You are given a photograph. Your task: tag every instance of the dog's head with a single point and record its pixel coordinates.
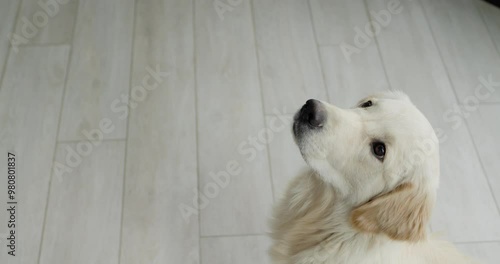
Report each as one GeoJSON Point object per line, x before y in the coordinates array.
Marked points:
{"type": "Point", "coordinates": [381, 156]}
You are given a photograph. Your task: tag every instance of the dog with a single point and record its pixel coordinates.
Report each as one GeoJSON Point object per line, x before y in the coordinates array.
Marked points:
{"type": "Point", "coordinates": [369, 191]}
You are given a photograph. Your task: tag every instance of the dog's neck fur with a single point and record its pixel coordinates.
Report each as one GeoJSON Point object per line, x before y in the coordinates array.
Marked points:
{"type": "Point", "coordinates": [310, 216]}
{"type": "Point", "coordinates": [312, 225]}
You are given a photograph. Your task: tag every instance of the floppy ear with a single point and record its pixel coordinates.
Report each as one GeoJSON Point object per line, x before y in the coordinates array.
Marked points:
{"type": "Point", "coordinates": [401, 214]}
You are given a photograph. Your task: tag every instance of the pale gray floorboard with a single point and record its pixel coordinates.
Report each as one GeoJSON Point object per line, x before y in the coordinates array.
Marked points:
{"type": "Point", "coordinates": [286, 161]}
{"type": "Point", "coordinates": [485, 127]}
{"type": "Point", "coordinates": [412, 61]}
{"type": "Point", "coordinates": [30, 100]}
{"type": "Point", "coordinates": [335, 20]}
{"type": "Point", "coordinates": [231, 250]}
{"type": "Point", "coordinates": [491, 16]}
{"type": "Point", "coordinates": [46, 21]}
{"type": "Point", "coordinates": [351, 72]}
{"type": "Point", "coordinates": [230, 122]}
{"type": "Point", "coordinates": [486, 252]}
{"type": "Point", "coordinates": [350, 81]}
{"type": "Point", "coordinates": [413, 65]}
{"type": "Point", "coordinates": [464, 43]}
{"type": "Point", "coordinates": [288, 57]}
{"type": "Point", "coordinates": [465, 209]}
{"type": "Point", "coordinates": [161, 153]}
{"type": "Point", "coordinates": [98, 80]}
{"type": "Point", "coordinates": [8, 11]}
{"type": "Point", "coordinates": [84, 210]}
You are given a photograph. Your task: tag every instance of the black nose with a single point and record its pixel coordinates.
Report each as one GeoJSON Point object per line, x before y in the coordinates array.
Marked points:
{"type": "Point", "coordinates": [313, 113]}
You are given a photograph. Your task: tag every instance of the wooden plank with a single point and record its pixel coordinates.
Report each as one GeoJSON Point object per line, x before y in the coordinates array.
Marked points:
{"type": "Point", "coordinates": [485, 128]}
{"type": "Point", "coordinates": [84, 212]}
{"type": "Point", "coordinates": [8, 11]}
{"type": "Point", "coordinates": [47, 21]}
{"type": "Point", "coordinates": [161, 172]}
{"type": "Point", "coordinates": [335, 20]}
{"type": "Point", "coordinates": [486, 252]}
{"type": "Point", "coordinates": [98, 80]}
{"type": "Point", "coordinates": [241, 250]}
{"type": "Point", "coordinates": [491, 16]}
{"type": "Point", "coordinates": [288, 57]}
{"type": "Point", "coordinates": [30, 101]}
{"type": "Point", "coordinates": [464, 43]}
{"type": "Point", "coordinates": [350, 81]}
{"type": "Point", "coordinates": [229, 112]}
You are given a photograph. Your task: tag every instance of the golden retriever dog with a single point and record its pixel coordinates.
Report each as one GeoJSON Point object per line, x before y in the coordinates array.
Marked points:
{"type": "Point", "coordinates": [369, 191]}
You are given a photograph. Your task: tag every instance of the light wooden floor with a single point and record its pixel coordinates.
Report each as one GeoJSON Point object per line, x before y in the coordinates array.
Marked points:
{"type": "Point", "coordinates": [204, 88]}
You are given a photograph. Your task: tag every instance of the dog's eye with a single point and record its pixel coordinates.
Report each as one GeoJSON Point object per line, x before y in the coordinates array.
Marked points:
{"type": "Point", "coordinates": [378, 149]}
{"type": "Point", "coordinates": [366, 104]}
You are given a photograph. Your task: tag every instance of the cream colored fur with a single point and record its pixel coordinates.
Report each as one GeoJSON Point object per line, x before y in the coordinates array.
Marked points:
{"type": "Point", "coordinates": [352, 208]}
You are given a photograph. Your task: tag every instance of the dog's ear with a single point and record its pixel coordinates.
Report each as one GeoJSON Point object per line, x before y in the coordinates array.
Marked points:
{"type": "Point", "coordinates": [401, 214]}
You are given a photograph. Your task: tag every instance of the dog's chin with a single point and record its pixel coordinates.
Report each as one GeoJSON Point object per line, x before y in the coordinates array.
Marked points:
{"type": "Point", "coordinates": [298, 131]}
{"type": "Point", "coordinates": [301, 130]}
{"type": "Point", "coordinates": [296, 127]}
{"type": "Point", "coordinates": [301, 136]}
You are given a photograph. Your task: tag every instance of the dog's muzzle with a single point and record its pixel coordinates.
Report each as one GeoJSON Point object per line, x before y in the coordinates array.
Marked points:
{"type": "Point", "coordinates": [311, 116]}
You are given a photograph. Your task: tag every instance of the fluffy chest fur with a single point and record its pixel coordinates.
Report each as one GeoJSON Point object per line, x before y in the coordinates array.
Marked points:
{"type": "Point", "coordinates": [311, 227]}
